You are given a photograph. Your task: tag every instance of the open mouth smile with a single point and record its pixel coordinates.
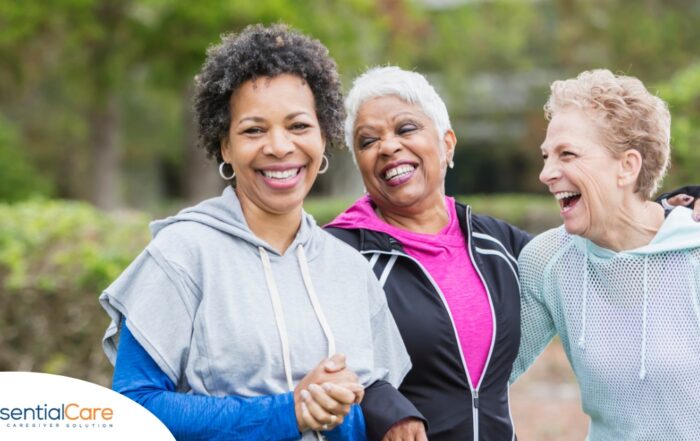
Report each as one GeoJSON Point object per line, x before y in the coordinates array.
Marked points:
{"type": "Point", "coordinates": [398, 174]}
{"type": "Point", "coordinates": [567, 200]}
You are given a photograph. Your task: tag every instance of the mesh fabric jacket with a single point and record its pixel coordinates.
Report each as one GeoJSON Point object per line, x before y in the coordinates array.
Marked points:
{"type": "Point", "coordinates": [629, 323]}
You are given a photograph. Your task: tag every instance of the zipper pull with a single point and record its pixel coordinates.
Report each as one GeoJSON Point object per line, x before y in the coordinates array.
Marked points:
{"type": "Point", "coordinates": [475, 399]}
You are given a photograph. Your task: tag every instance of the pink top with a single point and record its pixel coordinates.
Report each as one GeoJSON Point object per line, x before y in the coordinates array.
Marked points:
{"type": "Point", "coordinates": [460, 284]}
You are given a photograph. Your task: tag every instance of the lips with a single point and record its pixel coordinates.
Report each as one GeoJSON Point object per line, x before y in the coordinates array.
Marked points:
{"type": "Point", "coordinates": [282, 176]}
{"type": "Point", "coordinates": [567, 200]}
{"type": "Point", "coordinates": [398, 172]}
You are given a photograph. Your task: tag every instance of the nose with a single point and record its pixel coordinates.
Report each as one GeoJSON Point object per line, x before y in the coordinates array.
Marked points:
{"type": "Point", "coordinates": [550, 172]}
{"type": "Point", "coordinates": [279, 143]}
{"type": "Point", "coordinates": [390, 145]}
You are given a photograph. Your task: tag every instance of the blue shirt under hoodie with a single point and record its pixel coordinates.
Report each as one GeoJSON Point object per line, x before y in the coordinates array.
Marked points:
{"type": "Point", "coordinates": [223, 314]}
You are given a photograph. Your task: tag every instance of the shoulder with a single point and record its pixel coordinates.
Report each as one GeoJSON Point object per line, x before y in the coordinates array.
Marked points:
{"type": "Point", "coordinates": [545, 248]}
{"type": "Point", "coordinates": [343, 246]}
{"type": "Point", "coordinates": [495, 230]}
{"type": "Point", "coordinates": [351, 237]}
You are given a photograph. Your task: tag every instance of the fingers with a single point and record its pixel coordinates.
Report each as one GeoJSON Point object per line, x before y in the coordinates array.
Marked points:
{"type": "Point", "coordinates": [332, 398]}
{"type": "Point", "coordinates": [680, 200]}
{"type": "Point", "coordinates": [316, 416]}
{"type": "Point", "coordinates": [696, 211]}
{"type": "Point", "coordinates": [355, 388]}
{"type": "Point", "coordinates": [334, 364]}
{"type": "Point", "coordinates": [410, 429]}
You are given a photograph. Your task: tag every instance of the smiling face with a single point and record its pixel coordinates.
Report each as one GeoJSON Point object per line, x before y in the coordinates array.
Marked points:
{"type": "Point", "coordinates": [274, 143]}
{"type": "Point", "coordinates": [400, 154]}
{"type": "Point", "coordinates": [582, 173]}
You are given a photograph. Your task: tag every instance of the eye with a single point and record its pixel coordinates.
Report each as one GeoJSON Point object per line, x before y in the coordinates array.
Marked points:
{"type": "Point", "coordinates": [254, 130]}
{"type": "Point", "coordinates": [567, 153]}
{"type": "Point", "coordinates": [364, 142]}
{"type": "Point", "coordinates": [406, 128]}
{"type": "Point", "coordinates": [544, 156]}
{"type": "Point", "coordinates": [300, 126]}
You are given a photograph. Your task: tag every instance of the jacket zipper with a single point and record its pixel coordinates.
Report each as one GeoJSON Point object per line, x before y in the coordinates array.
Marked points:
{"type": "Point", "coordinates": [474, 390]}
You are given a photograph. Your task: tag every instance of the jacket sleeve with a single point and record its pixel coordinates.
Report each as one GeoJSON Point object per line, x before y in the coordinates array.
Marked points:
{"type": "Point", "coordinates": [383, 405]}
{"type": "Point", "coordinates": [195, 417]}
{"type": "Point", "coordinates": [536, 324]}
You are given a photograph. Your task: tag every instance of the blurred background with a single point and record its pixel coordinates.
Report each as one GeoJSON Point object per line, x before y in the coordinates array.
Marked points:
{"type": "Point", "coordinates": [97, 138]}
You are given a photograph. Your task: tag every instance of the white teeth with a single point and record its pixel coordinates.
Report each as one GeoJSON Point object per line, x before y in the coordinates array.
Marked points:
{"type": "Point", "coordinates": [281, 174]}
{"type": "Point", "coordinates": [400, 170]}
{"type": "Point", "coordinates": [565, 194]}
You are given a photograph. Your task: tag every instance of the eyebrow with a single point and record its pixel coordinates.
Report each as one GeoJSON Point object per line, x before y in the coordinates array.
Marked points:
{"type": "Point", "coordinates": [393, 118]}
{"type": "Point", "coordinates": [259, 119]}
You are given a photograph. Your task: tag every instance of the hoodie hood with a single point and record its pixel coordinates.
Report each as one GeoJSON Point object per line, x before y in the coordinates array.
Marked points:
{"type": "Point", "coordinates": [678, 232]}
{"type": "Point", "coordinates": [224, 214]}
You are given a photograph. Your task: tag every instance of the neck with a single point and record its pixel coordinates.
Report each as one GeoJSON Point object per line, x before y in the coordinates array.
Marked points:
{"type": "Point", "coordinates": [633, 225]}
{"type": "Point", "coordinates": [429, 221]}
{"type": "Point", "coordinates": [279, 230]}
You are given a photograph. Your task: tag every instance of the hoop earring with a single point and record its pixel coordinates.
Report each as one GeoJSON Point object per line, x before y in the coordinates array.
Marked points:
{"type": "Point", "coordinates": [324, 169]}
{"type": "Point", "coordinates": [221, 172]}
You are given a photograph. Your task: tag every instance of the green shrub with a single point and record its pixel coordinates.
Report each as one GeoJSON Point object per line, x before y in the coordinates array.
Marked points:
{"type": "Point", "coordinates": [55, 258]}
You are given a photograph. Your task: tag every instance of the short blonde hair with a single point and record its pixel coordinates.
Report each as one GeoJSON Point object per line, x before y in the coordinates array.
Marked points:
{"type": "Point", "coordinates": [630, 116]}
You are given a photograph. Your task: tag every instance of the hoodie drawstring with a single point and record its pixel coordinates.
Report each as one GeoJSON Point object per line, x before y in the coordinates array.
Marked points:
{"type": "Point", "coordinates": [582, 336]}
{"type": "Point", "coordinates": [279, 316]}
{"type": "Point", "coordinates": [643, 366]}
{"type": "Point", "coordinates": [304, 266]}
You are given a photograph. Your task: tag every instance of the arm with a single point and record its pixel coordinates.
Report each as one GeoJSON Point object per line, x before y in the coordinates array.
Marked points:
{"type": "Point", "coordinates": [683, 196]}
{"type": "Point", "coordinates": [384, 406]}
{"type": "Point", "coordinates": [536, 323]}
{"type": "Point", "coordinates": [194, 417]}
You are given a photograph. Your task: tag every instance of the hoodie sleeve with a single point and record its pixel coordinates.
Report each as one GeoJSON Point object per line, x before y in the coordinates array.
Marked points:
{"type": "Point", "coordinates": [383, 405]}
{"type": "Point", "coordinates": [189, 416]}
{"type": "Point", "coordinates": [161, 302]}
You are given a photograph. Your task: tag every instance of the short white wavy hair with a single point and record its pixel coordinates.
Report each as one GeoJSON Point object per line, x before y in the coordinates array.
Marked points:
{"type": "Point", "coordinates": [411, 87]}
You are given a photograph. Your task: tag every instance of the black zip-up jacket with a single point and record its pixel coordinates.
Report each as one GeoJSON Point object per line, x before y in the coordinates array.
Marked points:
{"type": "Point", "coordinates": [438, 383]}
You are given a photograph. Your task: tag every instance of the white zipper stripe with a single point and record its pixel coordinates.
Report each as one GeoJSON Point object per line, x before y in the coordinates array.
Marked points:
{"type": "Point", "coordinates": [387, 270]}
{"type": "Point", "coordinates": [497, 253]}
{"type": "Point", "coordinates": [493, 319]}
{"type": "Point", "coordinates": [474, 392]}
{"type": "Point", "coordinates": [500, 244]}
{"type": "Point", "coordinates": [442, 298]}
{"type": "Point", "coordinates": [373, 260]}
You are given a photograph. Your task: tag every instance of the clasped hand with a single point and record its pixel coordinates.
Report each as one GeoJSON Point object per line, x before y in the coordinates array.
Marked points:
{"type": "Point", "coordinates": [323, 397]}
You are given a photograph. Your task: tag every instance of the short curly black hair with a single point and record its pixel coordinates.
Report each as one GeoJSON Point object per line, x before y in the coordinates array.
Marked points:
{"type": "Point", "coordinates": [265, 51]}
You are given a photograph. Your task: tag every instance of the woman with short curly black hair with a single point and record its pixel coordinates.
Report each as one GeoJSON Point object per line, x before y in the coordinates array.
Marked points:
{"type": "Point", "coordinates": [234, 317]}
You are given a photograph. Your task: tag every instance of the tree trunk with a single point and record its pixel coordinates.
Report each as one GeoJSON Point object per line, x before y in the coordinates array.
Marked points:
{"type": "Point", "coordinates": [105, 153]}
{"type": "Point", "coordinates": [200, 175]}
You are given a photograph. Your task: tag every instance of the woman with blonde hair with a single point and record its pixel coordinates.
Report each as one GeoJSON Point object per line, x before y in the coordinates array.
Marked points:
{"type": "Point", "coordinates": [619, 282]}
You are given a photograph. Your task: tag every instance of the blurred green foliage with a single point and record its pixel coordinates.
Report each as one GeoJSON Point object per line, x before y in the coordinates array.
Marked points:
{"type": "Point", "coordinates": [102, 88]}
{"type": "Point", "coordinates": [19, 179]}
{"type": "Point", "coordinates": [57, 256]}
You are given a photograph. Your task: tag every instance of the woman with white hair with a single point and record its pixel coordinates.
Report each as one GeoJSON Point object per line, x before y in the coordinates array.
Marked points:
{"type": "Point", "coordinates": [450, 276]}
{"type": "Point", "coordinates": [619, 282]}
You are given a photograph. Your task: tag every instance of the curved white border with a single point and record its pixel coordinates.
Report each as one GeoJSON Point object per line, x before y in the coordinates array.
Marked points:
{"type": "Point", "coordinates": [29, 390]}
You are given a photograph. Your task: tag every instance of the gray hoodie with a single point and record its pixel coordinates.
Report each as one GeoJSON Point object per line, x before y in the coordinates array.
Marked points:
{"type": "Point", "coordinates": [221, 312]}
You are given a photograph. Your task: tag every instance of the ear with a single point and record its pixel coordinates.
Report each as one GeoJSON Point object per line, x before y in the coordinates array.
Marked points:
{"type": "Point", "coordinates": [450, 140]}
{"type": "Point", "coordinates": [630, 166]}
